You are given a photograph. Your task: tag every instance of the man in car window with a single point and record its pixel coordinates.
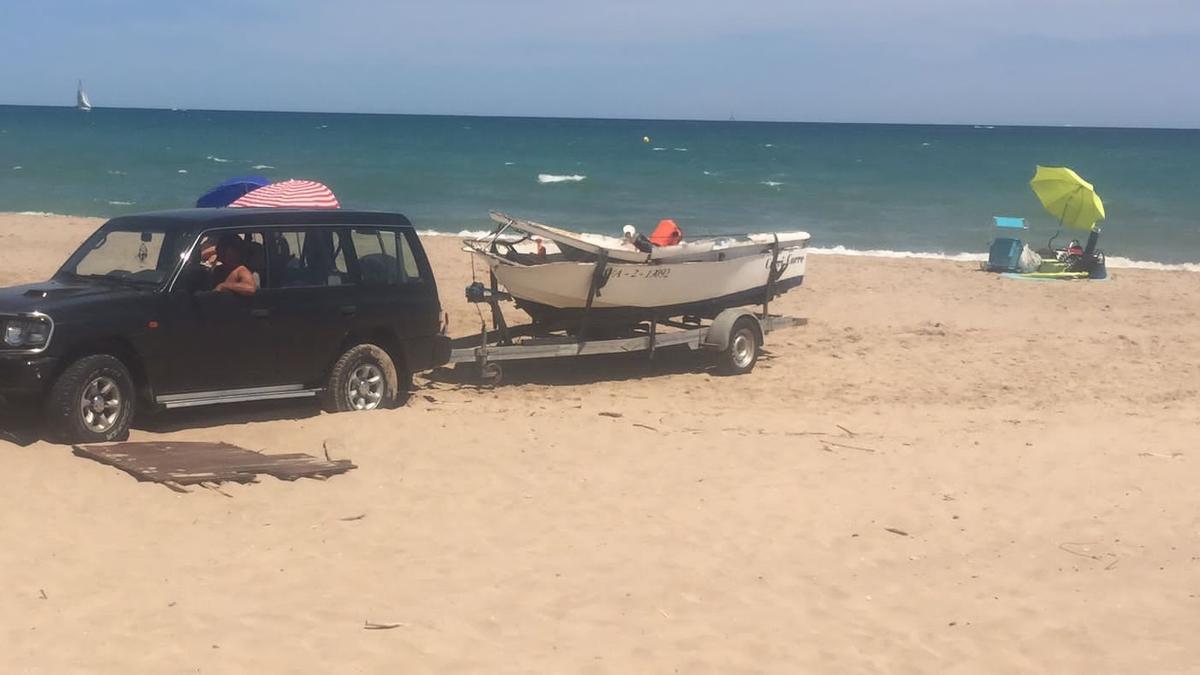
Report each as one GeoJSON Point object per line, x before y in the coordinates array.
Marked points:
{"type": "Point", "coordinates": [231, 273]}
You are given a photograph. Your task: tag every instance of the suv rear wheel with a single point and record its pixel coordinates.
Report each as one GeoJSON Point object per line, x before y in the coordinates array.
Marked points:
{"type": "Point", "coordinates": [92, 401]}
{"type": "Point", "coordinates": [364, 378]}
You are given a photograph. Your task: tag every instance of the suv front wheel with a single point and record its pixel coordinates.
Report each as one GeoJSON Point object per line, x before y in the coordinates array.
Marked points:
{"type": "Point", "coordinates": [364, 378]}
{"type": "Point", "coordinates": [92, 401]}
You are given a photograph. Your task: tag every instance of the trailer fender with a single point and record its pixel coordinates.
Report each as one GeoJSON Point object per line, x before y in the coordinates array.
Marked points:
{"type": "Point", "coordinates": [717, 336]}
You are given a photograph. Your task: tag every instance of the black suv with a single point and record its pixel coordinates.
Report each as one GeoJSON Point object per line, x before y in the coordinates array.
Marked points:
{"type": "Point", "coordinates": [335, 303]}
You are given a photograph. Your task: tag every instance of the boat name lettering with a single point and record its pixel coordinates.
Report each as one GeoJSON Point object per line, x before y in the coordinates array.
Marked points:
{"type": "Point", "coordinates": [641, 272]}
{"type": "Point", "coordinates": [794, 259]}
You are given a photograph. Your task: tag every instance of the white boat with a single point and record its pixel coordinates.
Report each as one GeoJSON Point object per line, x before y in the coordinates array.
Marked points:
{"type": "Point", "coordinates": [81, 98]}
{"type": "Point", "coordinates": [554, 274]}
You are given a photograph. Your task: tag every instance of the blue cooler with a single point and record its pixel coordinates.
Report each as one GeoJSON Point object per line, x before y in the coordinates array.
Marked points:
{"type": "Point", "coordinates": [1004, 253]}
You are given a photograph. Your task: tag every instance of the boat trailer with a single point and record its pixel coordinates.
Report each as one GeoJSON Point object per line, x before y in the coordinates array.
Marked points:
{"type": "Point", "coordinates": [735, 335]}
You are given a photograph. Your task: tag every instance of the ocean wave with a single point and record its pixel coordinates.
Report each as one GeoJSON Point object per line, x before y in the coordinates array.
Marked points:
{"type": "Point", "coordinates": [181, 171]}
{"type": "Point", "coordinates": [770, 183]}
{"type": "Point", "coordinates": [219, 160]}
{"type": "Point", "coordinates": [42, 214]}
{"type": "Point", "coordinates": [262, 166]}
{"type": "Point", "coordinates": [464, 234]}
{"type": "Point", "coordinates": [115, 172]}
{"type": "Point", "coordinates": [1115, 262]}
{"type": "Point", "coordinates": [768, 145]}
{"type": "Point", "coordinates": [885, 253]}
{"type": "Point", "coordinates": [657, 149]}
{"type": "Point", "coordinates": [116, 202]}
{"type": "Point", "coordinates": [553, 178]}
{"type": "Point", "coordinates": [18, 167]}
{"type": "Point", "coordinates": [509, 163]}
{"type": "Point", "coordinates": [1119, 262]}
{"type": "Point", "coordinates": [680, 149]}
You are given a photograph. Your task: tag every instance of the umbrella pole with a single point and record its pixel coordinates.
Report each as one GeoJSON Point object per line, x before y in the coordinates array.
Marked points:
{"type": "Point", "coordinates": [1062, 216]}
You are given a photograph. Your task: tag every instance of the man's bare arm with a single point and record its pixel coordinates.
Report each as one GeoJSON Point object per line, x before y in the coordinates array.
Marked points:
{"type": "Point", "coordinates": [240, 281]}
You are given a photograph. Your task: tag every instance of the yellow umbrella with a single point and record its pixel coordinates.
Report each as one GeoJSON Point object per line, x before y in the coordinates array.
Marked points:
{"type": "Point", "coordinates": [1067, 197]}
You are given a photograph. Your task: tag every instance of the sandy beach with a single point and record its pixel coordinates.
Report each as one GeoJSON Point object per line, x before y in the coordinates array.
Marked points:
{"type": "Point", "coordinates": [944, 471]}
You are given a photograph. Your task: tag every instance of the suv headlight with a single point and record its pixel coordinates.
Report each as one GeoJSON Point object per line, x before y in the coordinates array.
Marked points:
{"type": "Point", "coordinates": [26, 332]}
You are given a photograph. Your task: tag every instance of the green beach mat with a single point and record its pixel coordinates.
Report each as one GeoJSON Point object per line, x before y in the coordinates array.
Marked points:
{"type": "Point", "coordinates": [1052, 276]}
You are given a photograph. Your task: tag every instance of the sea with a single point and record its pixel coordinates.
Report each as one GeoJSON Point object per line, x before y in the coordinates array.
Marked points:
{"type": "Point", "coordinates": [871, 189]}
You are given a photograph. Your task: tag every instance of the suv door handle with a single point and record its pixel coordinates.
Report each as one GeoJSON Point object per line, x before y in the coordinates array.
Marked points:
{"type": "Point", "coordinates": [260, 313]}
{"type": "Point", "coordinates": [348, 309]}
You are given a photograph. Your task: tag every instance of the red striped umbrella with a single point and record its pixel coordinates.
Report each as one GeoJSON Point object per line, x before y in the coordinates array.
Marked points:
{"type": "Point", "coordinates": [295, 194]}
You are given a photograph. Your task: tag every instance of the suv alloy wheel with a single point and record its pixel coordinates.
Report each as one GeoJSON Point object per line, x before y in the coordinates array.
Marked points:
{"type": "Point", "coordinates": [364, 378]}
{"type": "Point", "coordinates": [92, 401]}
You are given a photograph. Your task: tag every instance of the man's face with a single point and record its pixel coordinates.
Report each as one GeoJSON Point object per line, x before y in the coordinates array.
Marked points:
{"type": "Point", "coordinates": [228, 255]}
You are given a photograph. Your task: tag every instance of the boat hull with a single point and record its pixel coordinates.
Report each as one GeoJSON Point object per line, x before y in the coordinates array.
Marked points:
{"type": "Point", "coordinates": [560, 289]}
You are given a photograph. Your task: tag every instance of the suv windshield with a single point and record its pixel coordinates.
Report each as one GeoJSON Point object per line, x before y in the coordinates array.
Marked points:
{"type": "Point", "coordinates": [139, 254]}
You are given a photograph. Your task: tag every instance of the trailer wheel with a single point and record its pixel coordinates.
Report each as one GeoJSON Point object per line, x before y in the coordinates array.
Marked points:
{"type": "Point", "coordinates": [491, 374]}
{"type": "Point", "coordinates": [741, 353]}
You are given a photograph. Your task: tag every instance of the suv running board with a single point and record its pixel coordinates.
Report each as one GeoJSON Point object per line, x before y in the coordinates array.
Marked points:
{"type": "Point", "coordinates": [199, 398]}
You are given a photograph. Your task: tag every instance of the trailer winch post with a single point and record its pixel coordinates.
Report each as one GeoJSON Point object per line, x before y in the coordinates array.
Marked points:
{"type": "Point", "coordinates": [772, 275]}
{"type": "Point", "coordinates": [498, 322]}
{"type": "Point", "coordinates": [653, 335]}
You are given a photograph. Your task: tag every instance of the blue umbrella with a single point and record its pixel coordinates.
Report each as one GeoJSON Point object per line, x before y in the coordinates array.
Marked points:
{"type": "Point", "coordinates": [226, 193]}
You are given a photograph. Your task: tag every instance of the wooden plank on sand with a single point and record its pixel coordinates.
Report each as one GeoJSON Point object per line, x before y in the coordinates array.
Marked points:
{"type": "Point", "coordinates": [189, 463]}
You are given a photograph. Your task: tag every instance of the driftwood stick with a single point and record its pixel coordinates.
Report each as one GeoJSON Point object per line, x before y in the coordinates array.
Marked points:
{"type": "Point", "coordinates": [371, 625]}
{"type": "Point", "coordinates": [850, 447]}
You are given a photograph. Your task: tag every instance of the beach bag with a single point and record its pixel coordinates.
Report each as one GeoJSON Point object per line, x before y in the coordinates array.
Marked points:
{"type": "Point", "coordinates": [1029, 260]}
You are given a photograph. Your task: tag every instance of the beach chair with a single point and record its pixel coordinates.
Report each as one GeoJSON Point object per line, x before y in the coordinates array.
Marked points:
{"type": "Point", "coordinates": [1004, 253]}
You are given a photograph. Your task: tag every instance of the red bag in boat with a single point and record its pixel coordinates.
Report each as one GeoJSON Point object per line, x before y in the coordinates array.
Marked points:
{"type": "Point", "coordinates": [666, 234]}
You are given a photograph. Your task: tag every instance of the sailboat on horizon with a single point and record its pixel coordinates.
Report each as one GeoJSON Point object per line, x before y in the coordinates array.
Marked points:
{"type": "Point", "coordinates": [81, 98]}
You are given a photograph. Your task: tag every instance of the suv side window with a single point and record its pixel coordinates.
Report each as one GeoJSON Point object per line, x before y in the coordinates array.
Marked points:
{"type": "Point", "coordinates": [198, 271]}
{"type": "Point", "coordinates": [307, 257]}
{"type": "Point", "coordinates": [384, 257]}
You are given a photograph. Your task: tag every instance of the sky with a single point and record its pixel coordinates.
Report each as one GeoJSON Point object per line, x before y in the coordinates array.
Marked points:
{"type": "Point", "coordinates": [1095, 62]}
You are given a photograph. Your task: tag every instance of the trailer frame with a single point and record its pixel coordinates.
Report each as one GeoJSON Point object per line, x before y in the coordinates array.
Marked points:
{"type": "Point", "coordinates": [733, 329]}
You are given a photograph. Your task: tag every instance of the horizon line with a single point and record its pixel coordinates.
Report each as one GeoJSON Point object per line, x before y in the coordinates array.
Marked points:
{"type": "Point", "coordinates": [617, 119]}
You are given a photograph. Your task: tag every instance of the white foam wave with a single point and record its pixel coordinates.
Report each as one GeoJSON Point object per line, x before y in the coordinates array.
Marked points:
{"type": "Point", "coordinates": [115, 172]}
{"type": "Point", "coordinates": [680, 149]}
{"type": "Point", "coordinates": [768, 145]}
{"type": "Point", "coordinates": [262, 166]}
{"type": "Point", "coordinates": [219, 160]}
{"type": "Point", "coordinates": [42, 214]}
{"type": "Point", "coordinates": [554, 178]}
{"type": "Point", "coordinates": [116, 202]}
{"type": "Point", "coordinates": [770, 183]}
{"type": "Point", "coordinates": [657, 149]}
{"type": "Point", "coordinates": [884, 253]}
{"type": "Point", "coordinates": [18, 167]}
{"type": "Point", "coordinates": [1127, 263]}
{"type": "Point", "coordinates": [1115, 262]}
{"type": "Point", "coordinates": [463, 234]}
{"type": "Point", "coordinates": [509, 163]}
{"type": "Point", "coordinates": [181, 171]}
